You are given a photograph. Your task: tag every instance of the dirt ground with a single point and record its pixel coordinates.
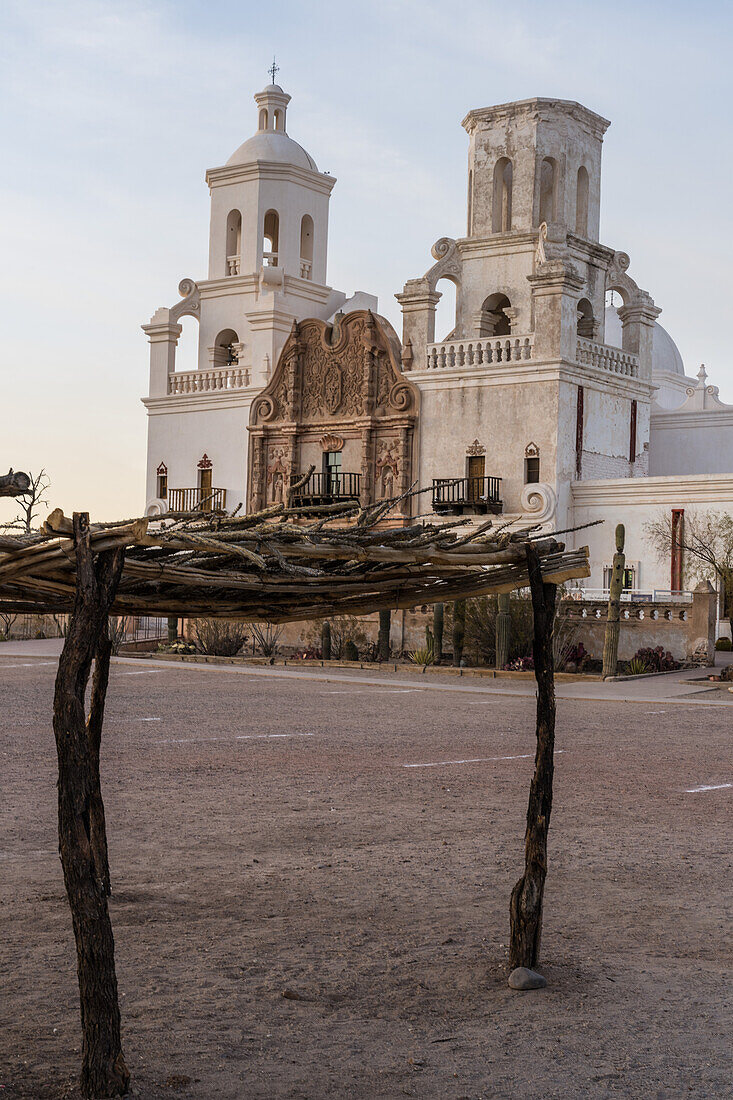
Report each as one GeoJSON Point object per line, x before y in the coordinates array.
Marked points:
{"type": "Point", "coordinates": [271, 837]}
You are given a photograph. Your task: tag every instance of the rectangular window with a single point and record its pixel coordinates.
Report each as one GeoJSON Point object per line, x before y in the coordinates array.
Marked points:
{"type": "Point", "coordinates": [531, 470]}
{"type": "Point", "coordinates": [632, 433]}
{"type": "Point", "coordinates": [677, 562]}
{"type": "Point", "coordinates": [162, 486]}
{"type": "Point", "coordinates": [579, 435]}
{"type": "Point", "coordinates": [332, 470]}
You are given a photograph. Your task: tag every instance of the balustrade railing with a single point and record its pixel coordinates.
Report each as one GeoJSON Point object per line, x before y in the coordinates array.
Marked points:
{"type": "Point", "coordinates": [490, 351]}
{"type": "Point", "coordinates": [480, 493]}
{"type": "Point", "coordinates": [328, 487]}
{"type": "Point", "coordinates": [306, 268]}
{"type": "Point", "coordinates": [208, 381]}
{"type": "Point", "coordinates": [232, 265]}
{"type": "Point", "coordinates": [269, 259]}
{"type": "Point", "coordinates": [197, 500]}
{"type": "Point", "coordinates": [604, 357]}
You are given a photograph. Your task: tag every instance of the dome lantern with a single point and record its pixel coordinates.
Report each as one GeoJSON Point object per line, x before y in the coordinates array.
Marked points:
{"type": "Point", "coordinates": [272, 103]}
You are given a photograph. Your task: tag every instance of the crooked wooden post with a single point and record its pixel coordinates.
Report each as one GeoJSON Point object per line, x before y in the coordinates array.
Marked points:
{"type": "Point", "coordinates": [82, 842]}
{"type": "Point", "coordinates": [526, 900]}
{"type": "Point", "coordinates": [613, 619]}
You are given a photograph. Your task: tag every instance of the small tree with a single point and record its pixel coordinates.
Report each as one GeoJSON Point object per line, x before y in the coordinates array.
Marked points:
{"type": "Point", "coordinates": [30, 503]}
{"type": "Point", "coordinates": [706, 538]}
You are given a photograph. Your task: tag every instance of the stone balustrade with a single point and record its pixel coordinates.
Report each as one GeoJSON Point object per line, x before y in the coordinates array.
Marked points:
{"type": "Point", "coordinates": [208, 381]}
{"type": "Point", "coordinates": [604, 357]}
{"type": "Point", "coordinates": [306, 268]}
{"type": "Point", "coordinates": [488, 351]}
{"type": "Point", "coordinates": [233, 265]}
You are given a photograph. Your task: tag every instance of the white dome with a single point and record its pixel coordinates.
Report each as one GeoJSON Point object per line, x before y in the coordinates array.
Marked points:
{"type": "Point", "coordinates": [665, 353]}
{"type": "Point", "coordinates": [272, 145]}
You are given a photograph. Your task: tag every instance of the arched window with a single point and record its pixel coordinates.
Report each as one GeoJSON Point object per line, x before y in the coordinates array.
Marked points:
{"type": "Point", "coordinates": [548, 173]}
{"type": "Point", "coordinates": [271, 235]}
{"type": "Point", "coordinates": [469, 227]}
{"type": "Point", "coordinates": [501, 221]}
{"type": "Point", "coordinates": [162, 477]}
{"type": "Point", "coordinates": [234, 242]}
{"type": "Point", "coordinates": [306, 247]}
{"type": "Point", "coordinates": [263, 118]}
{"type": "Point", "coordinates": [226, 349]}
{"type": "Point", "coordinates": [494, 319]}
{"type": "Point", "coordinates": [446, 310]}
{"type": "Point", "coordinates": [581, 203]}
{"type": "Point", "coordinates": [278, 120]}
{"type": "Point", "coordinates": [586, 320]}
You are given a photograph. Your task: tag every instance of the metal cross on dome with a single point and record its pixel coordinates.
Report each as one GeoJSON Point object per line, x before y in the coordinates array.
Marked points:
{"type": "Point", "coordinates": [273, 69]}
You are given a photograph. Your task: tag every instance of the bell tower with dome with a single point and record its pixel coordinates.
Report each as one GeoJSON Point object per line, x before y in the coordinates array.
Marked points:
{"type": "Point", "coordinates": [268, 242]}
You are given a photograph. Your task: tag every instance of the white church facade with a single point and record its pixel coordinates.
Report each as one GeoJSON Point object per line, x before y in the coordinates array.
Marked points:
{"type": "Point", "coordinates": [557, 397]}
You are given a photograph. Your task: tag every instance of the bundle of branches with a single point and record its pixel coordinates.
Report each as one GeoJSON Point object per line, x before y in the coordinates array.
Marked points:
{"type": "Point", "coordinates": [281, 564]}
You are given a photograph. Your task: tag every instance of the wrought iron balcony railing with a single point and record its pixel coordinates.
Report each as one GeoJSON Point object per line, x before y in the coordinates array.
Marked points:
{"type": "Point", "coordinates": [327, 488]}
{"type": "Point", "coordinates": [197, 500]}
{"type": "Point", "coordinates": [457, 494]}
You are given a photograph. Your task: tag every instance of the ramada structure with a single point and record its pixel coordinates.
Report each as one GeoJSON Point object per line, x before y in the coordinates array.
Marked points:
{"type": "Point", "coordinates": [556, 398]}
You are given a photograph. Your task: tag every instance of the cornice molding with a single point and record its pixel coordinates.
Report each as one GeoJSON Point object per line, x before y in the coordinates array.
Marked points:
{"type": "Point", "coordinates": [642, 491]}
{"type": "Point", "coordinates": [269, 170]}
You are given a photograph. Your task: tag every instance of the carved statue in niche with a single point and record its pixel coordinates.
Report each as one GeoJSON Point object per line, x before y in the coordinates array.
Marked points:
{"type": "Point", "coordinates": [387, 468]}
{"type": "Point", "coordinates": [277, 472]}
{"type": "Point", "coordinates": [332, 388]}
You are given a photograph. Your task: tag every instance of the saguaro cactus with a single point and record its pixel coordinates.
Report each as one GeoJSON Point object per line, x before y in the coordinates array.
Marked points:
{"type": "Point", "coordinates": [459, 630]}
{"type": "Point", "coordinates": [326, 641]}
{"type": "Point", "coordinates": [613, 623]}
{"type": "Point", "coordinates": [438, 611]}
{"type": "Point", "coordinates": [503, 629]}
{"type": "Point", "coordinates": [385, 619]}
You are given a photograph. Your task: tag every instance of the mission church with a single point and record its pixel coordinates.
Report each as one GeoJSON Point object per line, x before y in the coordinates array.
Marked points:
{"type": "Point", "coordinates": [557, 398]}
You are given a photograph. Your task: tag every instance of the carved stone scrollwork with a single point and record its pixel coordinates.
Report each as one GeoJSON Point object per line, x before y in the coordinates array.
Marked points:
{"type": "Point", "coordinates": [191, 304]}
{"type": "Point", "coordinates": [264, 410]}
{"type": "Point", "coordinates": [332, 442]}
{"type": "Point", "coordinates": [475, 449]}
{"type": "Point", "coordinates": [531, 451]}
{"type": "Point", "coordinates": [539, 501]}
{"type": "Point", "coordinates": [449, 264]}
{"type": "Point", "coordinates": [400, 396]}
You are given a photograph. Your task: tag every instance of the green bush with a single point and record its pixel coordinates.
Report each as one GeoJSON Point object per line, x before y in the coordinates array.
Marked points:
{"type": "Point", "coordinates": [423, 656]}
{"type": "Point", "coordinates": [724, 644]}
{"type": "Point", "coordinates": [636, 667]}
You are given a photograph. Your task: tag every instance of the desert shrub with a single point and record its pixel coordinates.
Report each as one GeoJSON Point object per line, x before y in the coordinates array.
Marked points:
{"type": "Point", "coordinates": [219, 637]}
{"type": "Point", "coordinates": [520, 664]}
{"type": "Point", "coordinates": [636, 667]}
{"type": "Point", "coordinates": [480, 635]}
{"type": "Point", "coordinates": [422, 656]}
{"type": "Point", "coordinates": [579, 656]}
{"type": "Point", "coordinates": [345, 628]}
{"type": "Point", "coordinates": [657, 660]}
{"type": "Point", "coordinates": [724, 644]}
{"type": "Point", "coordinates": [117, 631]}
{"type": "Point", "coordinates": [266, 636]}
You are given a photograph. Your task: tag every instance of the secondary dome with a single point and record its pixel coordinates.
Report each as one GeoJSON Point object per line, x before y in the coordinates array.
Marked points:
{"type": "Point", "coordinates": [665, 353]}
{"type": "Point", "coordinates": [272, 145]}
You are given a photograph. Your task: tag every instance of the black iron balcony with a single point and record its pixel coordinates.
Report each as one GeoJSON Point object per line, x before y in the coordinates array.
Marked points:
{"type": "Point", "coordinates": [329, 488]}
{"type": "Point", "coordinates": [467, 494]}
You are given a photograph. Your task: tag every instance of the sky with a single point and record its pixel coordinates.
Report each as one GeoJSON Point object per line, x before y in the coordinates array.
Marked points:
{"type": "Point", "coordinates": [110, 113]}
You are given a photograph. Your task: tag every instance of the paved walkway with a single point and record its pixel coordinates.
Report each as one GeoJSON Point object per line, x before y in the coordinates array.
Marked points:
{"type": "Point", "coordinates": [687, 686]}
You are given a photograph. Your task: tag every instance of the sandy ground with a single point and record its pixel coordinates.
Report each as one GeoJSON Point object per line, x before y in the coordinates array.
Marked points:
{"type": "Point", "coordinates": [274, 835]}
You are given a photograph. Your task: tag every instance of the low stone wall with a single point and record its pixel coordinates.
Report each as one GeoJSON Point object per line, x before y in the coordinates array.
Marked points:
{"type": "Point", "coordinates": [686, 629]}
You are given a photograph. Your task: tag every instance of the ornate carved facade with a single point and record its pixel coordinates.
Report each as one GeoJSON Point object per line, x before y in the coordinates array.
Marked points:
{"type": "Point", "coordinates": [339, 402]}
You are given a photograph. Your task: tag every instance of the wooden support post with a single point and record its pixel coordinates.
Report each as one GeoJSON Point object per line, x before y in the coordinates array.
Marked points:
{"type": "Point", "coordinates": [82, 846]}
{"type": "Point", "coordinates": [613, 618]}
{"type": "Point", "coordinates": [526, 901]}
{"type": "Point", "coordinates": [459, 631]}
{"type": "Point", "coordinates": [503, 627]}
{"type": "Point", "coordinates": [385, 623]}
{"type": "Point", "coordinates": [438, 616]}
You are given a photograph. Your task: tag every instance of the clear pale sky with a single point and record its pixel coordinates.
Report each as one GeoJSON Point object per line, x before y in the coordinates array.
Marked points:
{"type": "Point", "coordinates": [112, 111]}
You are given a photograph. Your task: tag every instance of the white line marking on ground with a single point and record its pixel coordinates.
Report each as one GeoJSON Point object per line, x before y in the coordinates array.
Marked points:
{"type": "Point", "coordinates": [477, 760]}
{"type": "Point", "coordinates": [149, 719]}
{"type": "Point", "coordinates": [32, 852]}
{"type": "Point", "coordinates": [710, 787]}
{"type": "Point", "coordinates": [145, 672]}
{"type": "Point", "coordinates": [374, 691]}
{"type": "Point", "coordinates": [240, 737]}
{"type": "Point", "coordinates": [29, 664]}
